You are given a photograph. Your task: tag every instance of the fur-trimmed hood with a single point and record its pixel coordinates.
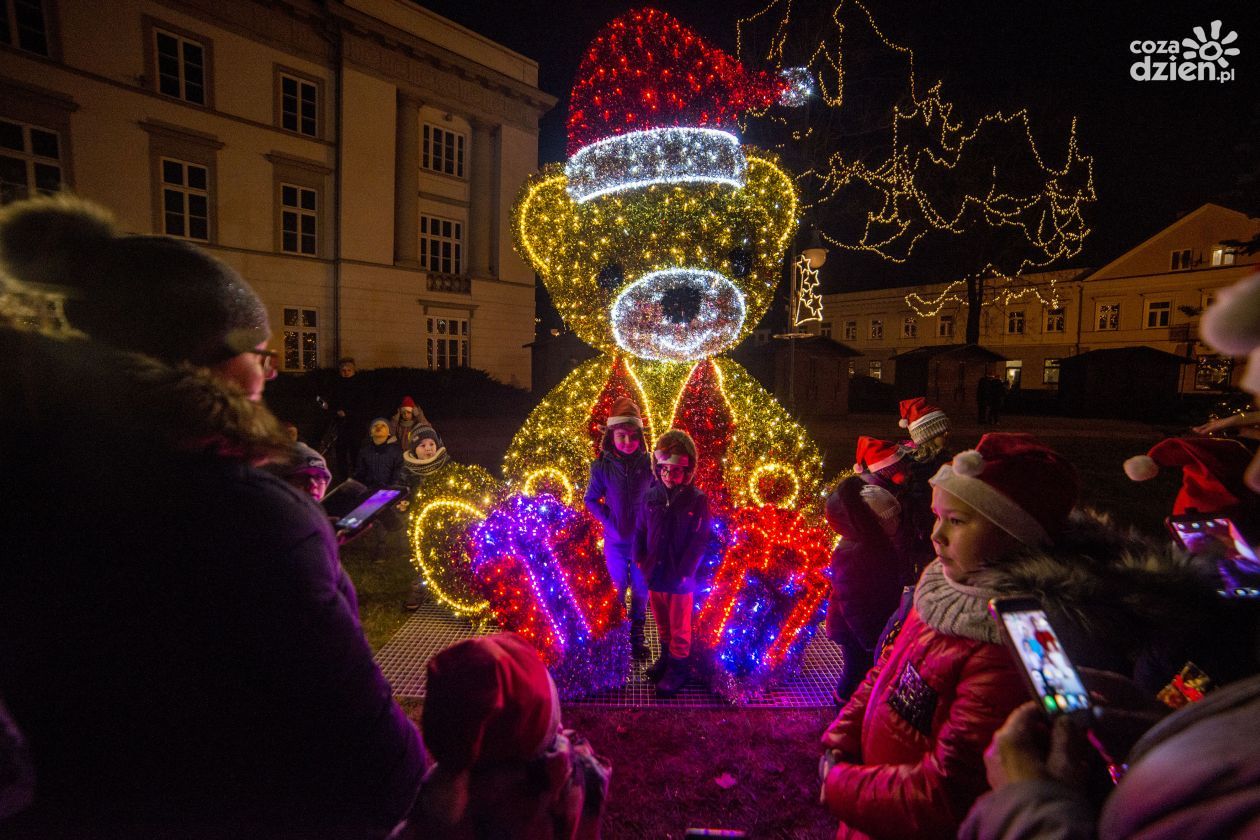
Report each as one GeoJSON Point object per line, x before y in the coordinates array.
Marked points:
{"type": "Point", "coordinates": [133, 400]}
{"type": "Point", "coordinates": [1119, 588]}
{"type": "Point", "coordinates": [850, 516]}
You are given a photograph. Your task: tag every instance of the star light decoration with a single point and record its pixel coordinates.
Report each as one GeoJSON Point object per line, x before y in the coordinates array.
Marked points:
{"type": "Point", "coordinates": [925, 146]}
{"type": "Point", "coordinates": [809, 304]}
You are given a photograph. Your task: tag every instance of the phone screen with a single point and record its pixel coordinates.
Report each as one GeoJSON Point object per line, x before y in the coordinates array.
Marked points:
{"type": "Point", "coordinates": [1054, 678]}
{"type": "Point", "coordinates": [369, 508]}
{"type": "Point", "coordinates": [1239, 567]}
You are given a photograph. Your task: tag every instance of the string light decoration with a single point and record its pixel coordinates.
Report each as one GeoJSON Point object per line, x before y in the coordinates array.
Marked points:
{"type": "Point", "coordinates": [807, 295]}
{"type": "Point", "coordinates": [540, 566]}
{"type": "Point", "coordinates": [926, 147]}
{"type": "Point", "coordinates": [443, 510]}
{"type": "Point", "coordinates": [765, 599]}
{"type": "Point", "coordinates": [661, 268]}
{"type": "Point", "coordinates": [590, 255]}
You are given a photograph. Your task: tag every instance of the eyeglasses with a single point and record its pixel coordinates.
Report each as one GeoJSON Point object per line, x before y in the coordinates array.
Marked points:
{"type": "Point", "coordinates": [266, 359]}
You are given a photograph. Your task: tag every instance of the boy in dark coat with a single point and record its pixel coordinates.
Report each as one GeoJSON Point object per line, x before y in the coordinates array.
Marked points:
{"type": "Point", "coordinates": [867, 574]}
{"type": "Point", "coordinates": [614, 495]}
{"type": "Point", "coordinates": [669, 542]}
{"type": "Point", "coordinates": [380, 461]}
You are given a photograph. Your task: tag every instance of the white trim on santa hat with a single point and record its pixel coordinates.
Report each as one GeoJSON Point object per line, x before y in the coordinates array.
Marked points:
{"type": "Point", "coordinates": [671, 155]}
{"type": "Point", "coordinates": [885, 462]}
{"type": "Point", "coordinates": [622, 419]}
{"type": "Point", "coordinates": [993, 505]}
{"type": "Point", "coordinates": [674, 459]}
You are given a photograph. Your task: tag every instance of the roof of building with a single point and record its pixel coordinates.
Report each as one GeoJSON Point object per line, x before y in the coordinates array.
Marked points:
{"type": "Point", "coordinates": [949, 349]}
{"type": "Point", "coordinates": [1119, 353]}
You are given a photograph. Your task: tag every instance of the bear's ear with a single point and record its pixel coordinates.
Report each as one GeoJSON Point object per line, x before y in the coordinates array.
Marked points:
{"type": "Point", "coordinates": [542, 216]}
{"type": "Point", "coordinates": [775, 196]}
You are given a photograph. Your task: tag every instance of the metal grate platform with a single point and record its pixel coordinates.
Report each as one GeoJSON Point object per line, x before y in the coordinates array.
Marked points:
{"type": "Point", "coordinates": [432, 628]}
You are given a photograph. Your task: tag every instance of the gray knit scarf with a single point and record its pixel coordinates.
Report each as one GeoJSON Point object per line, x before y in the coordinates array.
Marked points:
{"type": "Point", "coordinates": [953, 608]}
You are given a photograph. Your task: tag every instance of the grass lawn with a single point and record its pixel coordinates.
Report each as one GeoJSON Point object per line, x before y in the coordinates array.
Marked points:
{"type": "Point", "coordinates": [756, 770]}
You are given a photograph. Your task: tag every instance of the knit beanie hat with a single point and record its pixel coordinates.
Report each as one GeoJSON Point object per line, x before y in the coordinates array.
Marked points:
{"type": "Point", "coordinates": [1211, 471]}
{"type": "Point", "coordinates": [301, 459]}
{"type": "Point", "coordinates": [151, 294]}
{"type": "Point", "coordinates": [488, 701]}
{"type": "Point", "coordinates": [882, 503]}
{"type": "Point", "coordinates": [924, 421]}
{"type": "Point", "coordinates": [1017, 483]}
{"type": "Point", "coordinates": [675, 447]}
{"type": "Point", "coordinates": [624, 411]}
{"type": "Point", "coordinates": [874, 454]}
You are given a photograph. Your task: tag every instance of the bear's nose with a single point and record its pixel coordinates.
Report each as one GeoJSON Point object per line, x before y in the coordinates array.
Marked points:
{"type": "Point", "coordinates": [681, 304]}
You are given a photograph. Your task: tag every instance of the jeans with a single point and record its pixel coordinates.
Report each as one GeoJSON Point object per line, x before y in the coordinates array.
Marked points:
{"type": "Point", "coordinates": [625, 572]}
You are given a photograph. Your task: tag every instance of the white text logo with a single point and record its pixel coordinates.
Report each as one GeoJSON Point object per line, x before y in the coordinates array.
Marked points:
{"type": "Point", "coordinates": [1202, 58]}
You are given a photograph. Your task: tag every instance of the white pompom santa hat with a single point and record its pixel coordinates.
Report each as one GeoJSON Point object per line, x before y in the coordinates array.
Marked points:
{"type": "Point", "coordinates": [1016, 482]}
{"type": "Point", "coordinates": [923, 420]}
{"type": "Point", "coordinates": [874, 454]}
{"type": "Point", "coordinates": [1211, 471]}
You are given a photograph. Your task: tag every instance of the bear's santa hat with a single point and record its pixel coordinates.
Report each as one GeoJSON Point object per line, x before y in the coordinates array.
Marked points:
{"type": "Point", "coordinates": [655, 103]}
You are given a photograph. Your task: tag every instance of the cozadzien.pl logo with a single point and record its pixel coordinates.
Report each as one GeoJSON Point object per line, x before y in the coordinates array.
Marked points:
{"type": "Point", "coordinates": [1203, 58]}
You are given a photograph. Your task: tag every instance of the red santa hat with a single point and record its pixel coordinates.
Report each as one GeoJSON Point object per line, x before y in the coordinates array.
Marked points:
{"type": "Point", "coordinates": [653, 103]}
{"type": "Point", "coordinates": [408, 402]}
{"type": "Point", "coordinates": [1211, 471]}
{"type": "Point", "coordinates": [1017, 483]}
{"type": "Point", "coordinates": [924, 420]}
{"type": "Point", "coordinates": [874, 454]}
{"type": "Point", "coordinates": [488, 701]}
{"type": "Point", "coordinates": [624, 411]}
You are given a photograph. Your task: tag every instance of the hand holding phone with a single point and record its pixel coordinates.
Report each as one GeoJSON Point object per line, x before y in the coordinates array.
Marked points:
{"type": "Point", "coordinates": [1049, 674]}
{"type": "Point", "coordinates": [1218, 537]}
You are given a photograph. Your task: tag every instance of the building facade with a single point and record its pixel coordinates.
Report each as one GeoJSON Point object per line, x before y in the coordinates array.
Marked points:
{"type": "Point", "coordinates": [1151, 296]}
{"type": "Point", "coordinates": [356, 161]}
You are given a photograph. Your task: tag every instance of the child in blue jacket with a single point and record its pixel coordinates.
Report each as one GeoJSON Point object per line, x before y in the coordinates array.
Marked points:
{"type": "Point", "coordinates": [619, 478]}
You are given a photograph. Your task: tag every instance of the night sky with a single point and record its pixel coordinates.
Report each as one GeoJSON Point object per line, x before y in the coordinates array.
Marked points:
{"type": "Point", "coordinates": [1160, 148]}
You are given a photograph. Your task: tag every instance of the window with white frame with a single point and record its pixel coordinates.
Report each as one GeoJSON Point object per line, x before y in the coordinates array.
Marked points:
{"type": "Point", "coordinates": [442, 150]}
{"type": "Point", "coordinates": [909, 327]}
{"type": "Point", "coordinates": [299, 220]}
{"type": "Point", "coordinates": [1014, 373]}
{"type": "Point", "coordinates": [1108, 316]}
{"type": "Point", "coordinates": [850, 330]}
{"type": "Point", "coordinates": [1181, 259]}
{"type": "Point", "coordinates": [1050, 372]}
{"type": "Point", "coordinates": [1015, 322]}
{"type": "Point", "coordinates": [1055, 319]}
{"type": "Point", "coordinates": [30, 161]}
{"type": "Point", "coordinates": [301, 338]}
{"type": "Point", "coordinates": [299, 105]}
{"type": "Point", "coordinates": [945, 326]}
{"type": "Point", "coordinates": [181, 66]}
{"type": "Point", "coordinates": [447, 343]}
{"type": "Point", "coordinates": [824, 329]}
{"type": "Point", "coordinates": [441, 245]}
{"type": "Point", "coordinates": [24, 26]}
{"type": "Point", "coordinates": [877, 329]}
{"type": "Point", "coordinates": [1158, 313]}
{"type": "Point", "coordinates": [875, 369]}
{"type": "Point", "coordinates": [1223, 256]}
{"type": "Point", "coordinates": [185, 200]}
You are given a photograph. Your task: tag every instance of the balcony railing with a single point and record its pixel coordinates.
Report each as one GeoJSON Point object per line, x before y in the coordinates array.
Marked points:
{"type": "Point", "coordinates": [451, 283]}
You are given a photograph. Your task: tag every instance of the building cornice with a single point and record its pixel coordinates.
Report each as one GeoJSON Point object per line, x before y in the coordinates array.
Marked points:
{"type": "Point", "coordinates": [435, 74]}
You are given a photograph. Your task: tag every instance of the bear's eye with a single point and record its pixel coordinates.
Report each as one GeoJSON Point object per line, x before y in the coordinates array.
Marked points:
{"type": "Point", "coordinates": [611, 277]}
{"type": "Point", "coordinates": [741, 261]}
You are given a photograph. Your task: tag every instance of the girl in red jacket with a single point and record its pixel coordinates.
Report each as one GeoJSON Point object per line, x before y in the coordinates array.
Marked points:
{"type": "Point", "coordinates": [905, 756]}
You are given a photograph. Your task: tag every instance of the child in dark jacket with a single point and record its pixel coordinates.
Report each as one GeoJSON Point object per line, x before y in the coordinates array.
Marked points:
{"type": "Point", "coordinates": [380, 459]}
{"type": "Point", "coordinates": [669, 542]}
{"type": "Point", "coordinates": [614, 494]}
{"type": "Point", "coordinates": [867, 574]}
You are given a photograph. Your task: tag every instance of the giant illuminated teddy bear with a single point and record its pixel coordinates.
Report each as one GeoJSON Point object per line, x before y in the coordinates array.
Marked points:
{"type": "Point", "coordinates": [661, 241]}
